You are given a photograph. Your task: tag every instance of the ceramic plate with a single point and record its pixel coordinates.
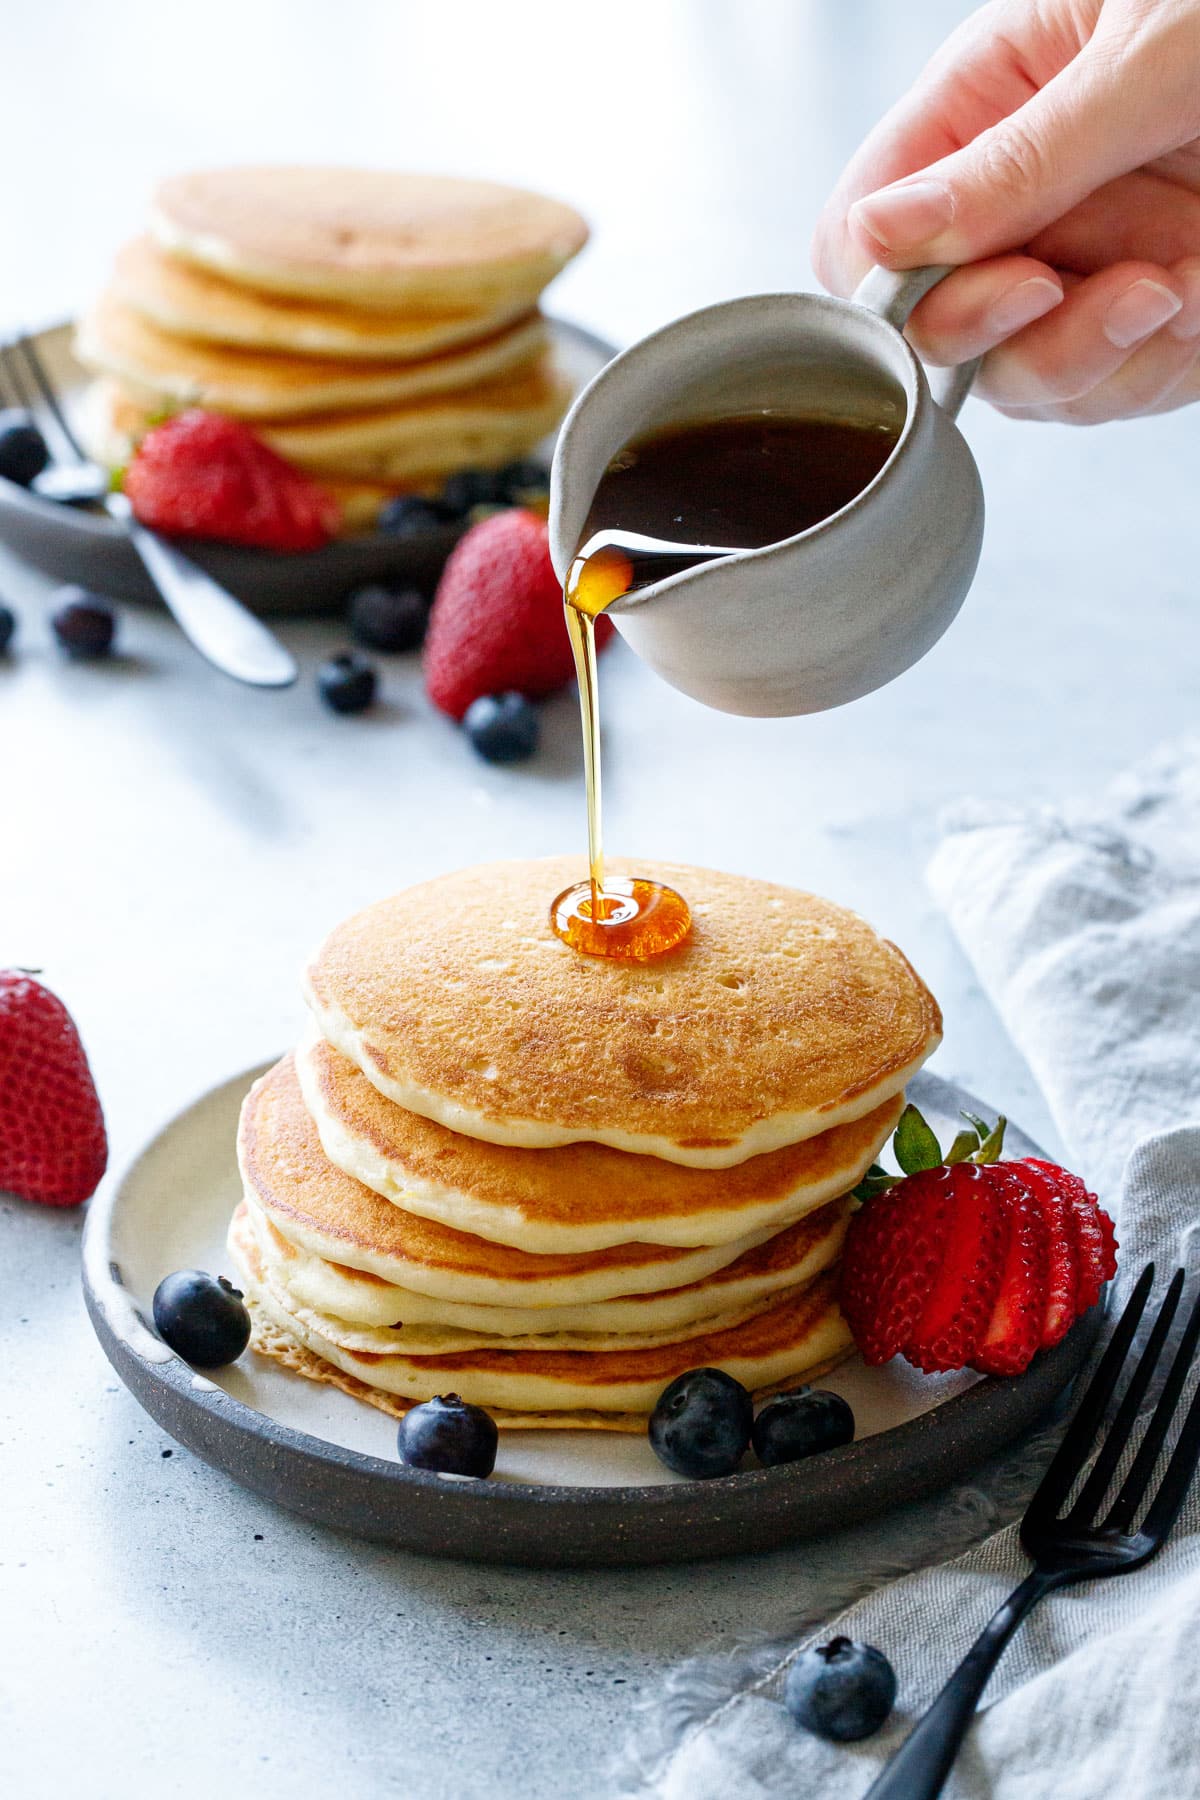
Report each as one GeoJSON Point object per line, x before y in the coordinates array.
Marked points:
{"type": "Point", "coordinates": [86, 546]}
{"type": "Point", "coordinates": [557, 1498]}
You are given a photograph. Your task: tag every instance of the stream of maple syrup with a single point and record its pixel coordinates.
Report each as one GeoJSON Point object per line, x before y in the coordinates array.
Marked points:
{"type": "Point", "coordinates": [664, 500]}
{"type": "Point", "coordinates": [630, 917]}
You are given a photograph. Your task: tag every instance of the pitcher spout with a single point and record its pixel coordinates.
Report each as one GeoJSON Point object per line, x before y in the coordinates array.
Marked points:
{"type": "Point", "coordinates": [617, 571]}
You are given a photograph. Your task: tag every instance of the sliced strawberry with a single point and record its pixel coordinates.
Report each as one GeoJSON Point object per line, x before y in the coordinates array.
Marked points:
{"type": "Point", "coordinates": [1109, 1242]}
{"type": "Point", "coordinates": [892, 1257]}
{"type": "Point", "coordinates": [1014, 1331]}
{"type": "Point", "coordinates": [1063, 1271]}
{"type": "Point", "coordinates": [973, 1262]}
{"type": "Point", "coordinates": [964, 1292]}
{"type": "Point", "coordinates": [1095, 1235]}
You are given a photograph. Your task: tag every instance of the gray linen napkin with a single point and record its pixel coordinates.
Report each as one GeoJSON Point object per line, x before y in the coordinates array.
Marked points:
{"type": "Point", "coordinates": [1086, 932]}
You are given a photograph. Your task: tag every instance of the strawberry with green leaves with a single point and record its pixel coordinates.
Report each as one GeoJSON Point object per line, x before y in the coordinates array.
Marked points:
{"type": "Point", "coordinates": [968, 1261]}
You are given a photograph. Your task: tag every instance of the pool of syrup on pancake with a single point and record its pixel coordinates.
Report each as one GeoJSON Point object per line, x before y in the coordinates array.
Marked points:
{"type": "Point", "coordinates": [663, 501]}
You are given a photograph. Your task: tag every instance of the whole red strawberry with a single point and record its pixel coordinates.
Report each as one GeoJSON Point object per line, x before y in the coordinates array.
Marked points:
{"type": "Point", "coordinates": [53, 1147]}
{"type": "Point", "coordinates": [497, 620]}
{"type": "Point", "coordinates": [202, 475]}
{"type": "Point", "coordinates": [967, 1261]}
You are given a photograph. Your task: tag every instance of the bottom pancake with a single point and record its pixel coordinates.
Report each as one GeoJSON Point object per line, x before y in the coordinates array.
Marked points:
{"type": "Point", "coordinates": [789, 1340]}
{"type": "Point", "coordinates": [269, 1339]}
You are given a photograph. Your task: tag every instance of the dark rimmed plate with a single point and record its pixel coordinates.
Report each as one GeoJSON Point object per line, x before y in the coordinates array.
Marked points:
{"type": "Point", "coordinates": [558, 1499]}
{"type": "Point", "coordinates": [86, 546]}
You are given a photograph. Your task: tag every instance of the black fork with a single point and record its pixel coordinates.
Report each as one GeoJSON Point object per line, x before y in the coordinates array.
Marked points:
{"type": "Point", "coordinates": [1084, 1543]}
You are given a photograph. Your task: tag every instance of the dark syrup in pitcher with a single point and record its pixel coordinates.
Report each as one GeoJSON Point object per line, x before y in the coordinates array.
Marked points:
{"type": "Point", "coordinates": [727, 484]}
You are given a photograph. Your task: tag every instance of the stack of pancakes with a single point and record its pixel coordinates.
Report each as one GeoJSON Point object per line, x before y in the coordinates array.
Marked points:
{"type": "Point", "coordinates": [379, 330]}
{"type": "Point", "coordinates": [551, 1183]}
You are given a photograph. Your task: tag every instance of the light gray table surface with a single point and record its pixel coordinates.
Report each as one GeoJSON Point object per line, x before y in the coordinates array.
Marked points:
{"type": "Point", "coordinates": [171, 845]}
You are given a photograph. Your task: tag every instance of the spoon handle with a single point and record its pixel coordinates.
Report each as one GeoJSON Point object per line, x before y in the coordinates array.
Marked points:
{"type": "Point", "coordinates": [217, 624]}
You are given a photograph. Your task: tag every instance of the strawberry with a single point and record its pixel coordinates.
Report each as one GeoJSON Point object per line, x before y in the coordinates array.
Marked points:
{"type": "Point", "coordinates": [1013, 1333]}
{"type": "Point", "coordinates": [971, 1263]}
{"type": "Point", "coordinates": [1062, 1275]}
{"type": "Point", "coordinates": [1095, 1241]}
{"type": "Point", "coordinates": [53, 1148]}
{"type": "Point", "coordinates": [897, 1241]}
{"type": "Point", "coordinates": [967, 1261]}
{"type": "Point", "coordinates": [202, 475]}
{"type": "Point", "coordinates": [497, 620]}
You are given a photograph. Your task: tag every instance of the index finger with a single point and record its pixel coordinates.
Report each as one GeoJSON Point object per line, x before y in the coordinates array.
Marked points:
{"type": "Point", "coordinates": [988, 68]}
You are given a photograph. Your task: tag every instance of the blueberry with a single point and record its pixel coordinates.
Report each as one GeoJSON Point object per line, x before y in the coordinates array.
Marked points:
{"type": "Point", "coordinates": [840, 1690]}
{"type": "Point", "coordinates": [388, 618]}
{"type": "Point", "coordinates": [411, 515]}
{"type": "Point", "coordinates": [450, 1436]}
{"type": "Point", "coordinates": [83, 623]}
{"type": "Point", "coordinates": [521, 482]}
{"type": "Point", "coordinates": [504, 728]}
{"type": "Point", "coordinates": [347, 683]}
{"type": "Point", "coordinates": [203, 1319]}
{"type": "Point", "coordinates": [23, 452]}
{"type": "Point", "coordinates": [701, 1425]}
{"type": "Point", "coordinates": [799, 1424]}
{"type": "Point", "coordinates": [470, 488]}
{"type": "Point", "coordinates": [8, 624]}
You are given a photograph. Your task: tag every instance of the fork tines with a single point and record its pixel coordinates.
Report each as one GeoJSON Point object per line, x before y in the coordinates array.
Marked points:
{"type": "Point", "coordinates": [23, 374]}
{"type": "Point", "coordinates": [1042, 1519]}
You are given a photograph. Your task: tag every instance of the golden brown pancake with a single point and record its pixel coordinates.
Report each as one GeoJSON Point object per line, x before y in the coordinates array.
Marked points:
{"type": "Point", "coordinates": [781, 1017]}
{"type": "Point", "coordinates": [163, 370]}
{"type": "Point", "coordinates": [331, 1300]}
{"type": "Point", "coordinates": [187, 301]}
{"type": "Point", "coordinates": [788, 1260]}
{"type": "Point", "coordinates": [482, 428]}
{"type": "Point", "coordinates": [111, 424]}
{"type": "Point", "coordinates": [275, 1341]}
{"type": "Point", "coordinates": [574, 1197]}
{"type": "Point", "coordinates": [326, 1212]}
{"type": "Point", "coordinates": [782, 1343]}
{"type": "Point", "coordinates": [370, 237]}
{"type": "Point", "coordinates": [408, 447]}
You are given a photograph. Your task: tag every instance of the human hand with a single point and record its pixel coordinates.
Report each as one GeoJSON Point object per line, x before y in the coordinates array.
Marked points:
{"type": "Point", "coordinates": [1053, 147]}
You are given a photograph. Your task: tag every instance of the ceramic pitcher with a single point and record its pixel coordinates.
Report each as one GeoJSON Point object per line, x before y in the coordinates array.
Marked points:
{"type": "Point", "coordinates": [836, 611]}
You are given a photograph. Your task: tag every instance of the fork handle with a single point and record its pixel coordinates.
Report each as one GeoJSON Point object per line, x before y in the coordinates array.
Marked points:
{"type": "Point", "coordinates": [919, 1768]}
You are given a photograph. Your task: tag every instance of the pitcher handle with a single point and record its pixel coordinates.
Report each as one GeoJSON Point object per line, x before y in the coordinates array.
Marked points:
{"type": "Point", "coordinates": [892, 293]}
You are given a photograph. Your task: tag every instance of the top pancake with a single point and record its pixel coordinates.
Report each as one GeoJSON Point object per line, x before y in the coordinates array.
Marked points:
{"type": "Point", "coordinates": [369, 237]}
{"type": "Point", "coordinates": [190, 302]}
{"type": "Point", "coordinates": [782, 1015]}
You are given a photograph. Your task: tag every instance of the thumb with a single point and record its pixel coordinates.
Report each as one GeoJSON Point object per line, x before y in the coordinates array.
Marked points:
{"type": "Point", "coordinates": [1097, 119]}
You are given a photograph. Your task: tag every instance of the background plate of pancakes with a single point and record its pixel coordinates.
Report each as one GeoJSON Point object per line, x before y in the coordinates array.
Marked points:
{"type": "Point", "coordinates": [379, 330]}
{"type": "Point", "coordinates": [481, 1171]}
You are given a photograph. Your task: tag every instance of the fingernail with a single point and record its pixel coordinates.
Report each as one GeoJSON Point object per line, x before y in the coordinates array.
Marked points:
{"type": "Point", "coordinates": [904, 217]}
{"type": "Point", "coordinates": [1021, 305]}
{"type": "Point", "coordinates": [1187, 326]}
{"type": "Point", "coordinates": [1137, 312]}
